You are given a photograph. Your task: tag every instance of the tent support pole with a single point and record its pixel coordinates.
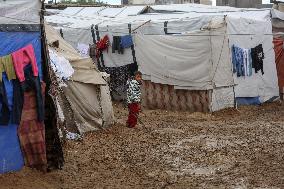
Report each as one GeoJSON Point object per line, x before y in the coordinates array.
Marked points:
{"type": "Point", "coordinates": [166, 27]}
{"type": "Point", "coordinates": [93, 34]}
{"type": "Point", "coordinates": [94, 41]}
{"type": "Point", "coordinates": [132, 47]}
{"type": "Point", "coordinates": [98, 39]}
{"type": "Point", "coordinates": [61, 33]}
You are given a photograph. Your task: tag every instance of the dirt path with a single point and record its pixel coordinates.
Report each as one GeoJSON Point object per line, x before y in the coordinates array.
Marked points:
{"type": "Point", "coordinates": [229, 149]}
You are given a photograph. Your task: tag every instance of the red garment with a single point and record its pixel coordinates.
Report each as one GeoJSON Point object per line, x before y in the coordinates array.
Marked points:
{"type": "Point", "coordinates": [134, 109]}
{"type": "Point", "coordinates": [31, 134]}
{"type": "Point", "coordinates": [102, 45]}
{"type": "Point", "coordinates": [23, 57]}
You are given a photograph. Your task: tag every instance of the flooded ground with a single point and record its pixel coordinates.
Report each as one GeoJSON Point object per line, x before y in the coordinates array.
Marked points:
{"type": "Point", "coordinates": [228, 149]}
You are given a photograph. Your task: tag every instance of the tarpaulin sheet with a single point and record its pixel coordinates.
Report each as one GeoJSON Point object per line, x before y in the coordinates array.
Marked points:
{"type": "Point", "coordinates": [248, 101]}
{"type": "Point", "coordinates": [10, 154]}
{"type": "Point", "coordinates": [175, 60]}
{"type": "Point", "coordinates": [11, 158]}
{"type": "Point", "coordinates": [279, 59]}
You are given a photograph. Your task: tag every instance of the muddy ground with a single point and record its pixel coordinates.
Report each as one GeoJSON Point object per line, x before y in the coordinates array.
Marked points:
{"type": "Point", "coordinates": [228, 149]}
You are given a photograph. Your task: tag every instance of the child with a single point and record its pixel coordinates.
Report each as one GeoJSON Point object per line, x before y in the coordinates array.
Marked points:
{"type": "Point", "coordinates": [134, 99]}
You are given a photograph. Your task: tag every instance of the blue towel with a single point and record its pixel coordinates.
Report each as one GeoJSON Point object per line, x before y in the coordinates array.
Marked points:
{"type": "Point", "coordinates": [126, 41]}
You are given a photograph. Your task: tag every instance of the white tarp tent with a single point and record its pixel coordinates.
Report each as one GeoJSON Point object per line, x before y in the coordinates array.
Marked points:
{"type": "Point", "coordinates": [20, 12]}
{"type": "Point", "coordinates": [245, 28]}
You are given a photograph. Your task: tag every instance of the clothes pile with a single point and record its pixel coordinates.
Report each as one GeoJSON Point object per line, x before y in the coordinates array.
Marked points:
{"type": "Point", "coordinates": [244, 60]}
{"type": "Point", "coordinates": [61, 66]}
{"type": "Point", "coordinates": [22, 103]}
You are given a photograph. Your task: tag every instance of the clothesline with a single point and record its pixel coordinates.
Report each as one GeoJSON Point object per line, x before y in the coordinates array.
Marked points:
{"type": "Point", "coordinates": [181, 34]}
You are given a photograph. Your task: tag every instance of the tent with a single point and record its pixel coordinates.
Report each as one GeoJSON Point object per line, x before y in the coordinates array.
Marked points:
{"type": "Point", "coordinates": [87, 91]}
{"type": "Point", "coordinates": [35, 141]}
{"type": "Point", "coordinates": [20, 27]}
{"type": "Point", "coordinates": [198, 75]}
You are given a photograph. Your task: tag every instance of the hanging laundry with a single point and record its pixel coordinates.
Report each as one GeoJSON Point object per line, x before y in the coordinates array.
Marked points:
{"type": "Point", "coordinates": [6, 65]}
{"type": "Point", "coordinates": [102, 45]}
{"type": "Point", "coordinates": [31, 133]}
{"type": "Point", "coordinates": [116, 45]}
{"type": "Point", "coordinates": [83, 49]}
{"type": "Point", "coordinates": [5, 111]}
{"type": "Point", "coordinates": [61, 66]}
{"type": "Point", "coordinates": [18, 100]}
{"type": "Point", "coordinates": [238, 61]}
{"type": "Point", "coordinates": [33, 83]}
{"type": "Point", "coordinates": [242, 61]}
{"type": "Point", "coordinates": [23, 57]}
{"type": "Point", "coordinates": [126, 41]}
{"type": "Point", "coordinates": [11, 108]}
{"type": "Point", "coordinates": [257, 58]}
{"type": "Point", "coordinates": [247, 62]}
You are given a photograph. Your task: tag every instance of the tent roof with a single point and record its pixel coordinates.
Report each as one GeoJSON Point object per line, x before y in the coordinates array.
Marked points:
{"type": "Point", "coordinates": [107, 16]}
{"type": "Point", "coordinates": [20, 11]}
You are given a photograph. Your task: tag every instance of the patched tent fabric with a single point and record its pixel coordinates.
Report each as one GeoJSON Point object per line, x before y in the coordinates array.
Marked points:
{"type": "Point", "coordinates": [86, 91]}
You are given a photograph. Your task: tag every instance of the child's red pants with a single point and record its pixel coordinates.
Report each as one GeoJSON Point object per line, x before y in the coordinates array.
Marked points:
{"type": "Point", "coordinates": [134, 109]}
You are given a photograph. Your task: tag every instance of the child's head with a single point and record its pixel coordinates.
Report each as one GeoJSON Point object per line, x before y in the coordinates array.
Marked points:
{"type": "Point", "coordinates": [138, 76]}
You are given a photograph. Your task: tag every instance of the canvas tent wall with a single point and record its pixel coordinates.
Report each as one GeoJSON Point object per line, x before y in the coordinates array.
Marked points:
{"type": "Point", "coordinates": [87, 91]}
{"type": "Point", "coordinates": [255, 28]}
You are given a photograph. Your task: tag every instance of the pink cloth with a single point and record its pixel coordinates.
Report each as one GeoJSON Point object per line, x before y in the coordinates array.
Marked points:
{"type": "Point", "coordinates": [23, 57]}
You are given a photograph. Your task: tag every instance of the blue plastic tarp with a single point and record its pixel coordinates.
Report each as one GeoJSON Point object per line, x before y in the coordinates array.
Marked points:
{"type": "Point", "coordinates": [248, 101]}
{"type": "Point", "coordinates": [11, 158]}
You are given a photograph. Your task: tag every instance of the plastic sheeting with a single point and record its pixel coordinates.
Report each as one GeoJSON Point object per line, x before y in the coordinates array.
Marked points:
{"type": "Point", "coordinates": [248, 101]}
{"type": "Point", "coordinates": [175, 60]}
{"type": "Point", "coordinates": [10, 153]}
{"type": "Point", "coordinates": [196, 61]}
{"type": "Point", "coordinates": [20, 12]}
{"type": "Point", "coordinates": [11, 158]}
